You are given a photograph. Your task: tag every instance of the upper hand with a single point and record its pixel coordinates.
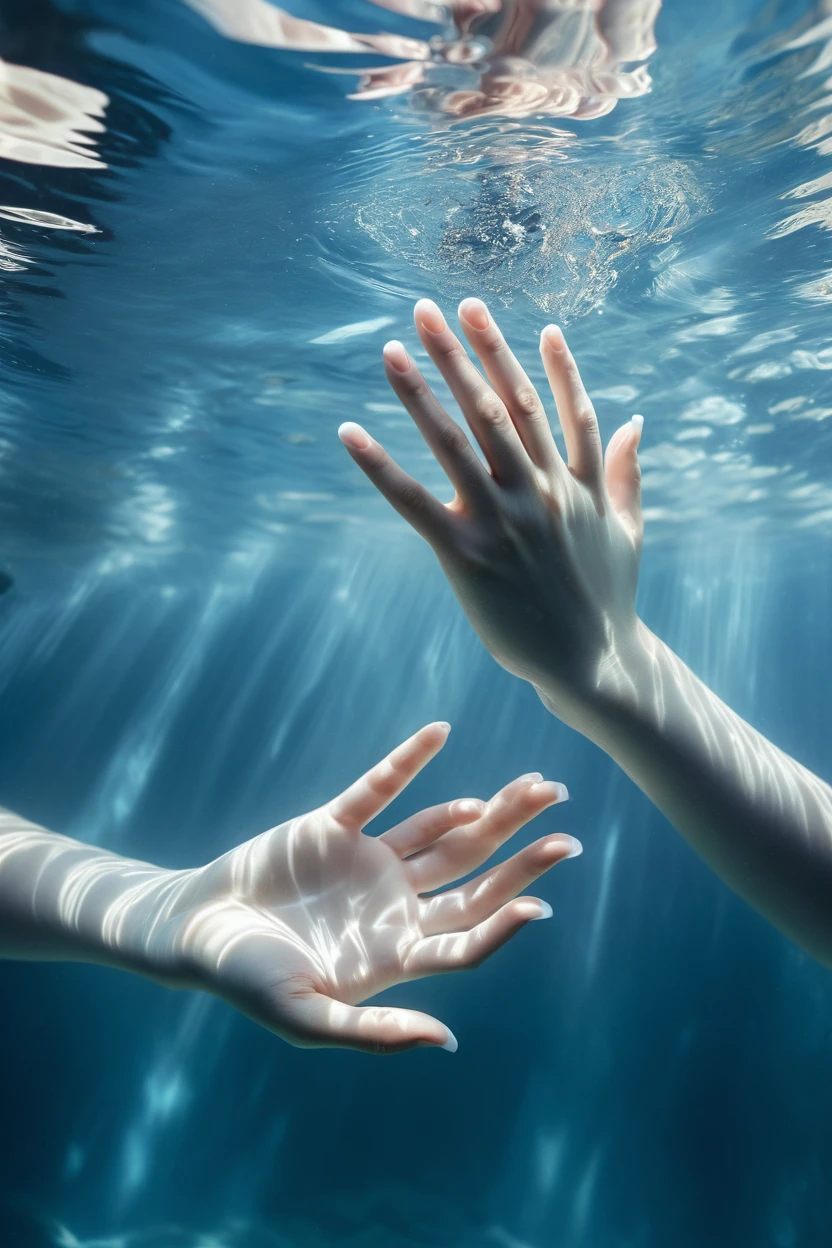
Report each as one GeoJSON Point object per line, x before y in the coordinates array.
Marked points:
{"type": "Point", "coordinates": [543, 554]}
{"type": "Point", "coordinates": [297, 926]}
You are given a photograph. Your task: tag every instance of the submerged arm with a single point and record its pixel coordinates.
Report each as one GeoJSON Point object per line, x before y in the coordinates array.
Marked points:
{"type": "Point", "coordinates": [543, 555]}
{"type": "Point", "coordinates": [299, 926]}
{"type": "Point", "coordinates": [759, 818]}
{"type": "Point", "coordinates": [61, 900]}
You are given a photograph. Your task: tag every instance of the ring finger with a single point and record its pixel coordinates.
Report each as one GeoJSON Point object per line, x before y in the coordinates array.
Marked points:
{"type": "Point", "coordinates": [460, 909]}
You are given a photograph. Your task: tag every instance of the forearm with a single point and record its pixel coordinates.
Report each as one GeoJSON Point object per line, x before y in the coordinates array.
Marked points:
{"type": "Point", "coordinates": [759, 818]}
{"type": "Point", "coordinates": [64, 901]}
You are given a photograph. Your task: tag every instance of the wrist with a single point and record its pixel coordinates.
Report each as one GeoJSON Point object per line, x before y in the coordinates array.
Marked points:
{"type": "Point", "coordinates": [617, 689]}
{"type": "Point", "coordinates": [121, 913]}
{"type": "Point", "coordinates": [139, 926]}
{"type": "Point", "coordinates": [62, 900]}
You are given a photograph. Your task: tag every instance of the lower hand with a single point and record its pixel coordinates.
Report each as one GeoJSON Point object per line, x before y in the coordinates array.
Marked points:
{"type": "Point", "coordinates": [298, 926]}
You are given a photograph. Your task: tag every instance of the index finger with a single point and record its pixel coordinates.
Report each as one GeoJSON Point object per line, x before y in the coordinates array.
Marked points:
{"type": "Point", "coordinates": [369, 795]}
{"type": "Point", "coordinates": [412, 501]}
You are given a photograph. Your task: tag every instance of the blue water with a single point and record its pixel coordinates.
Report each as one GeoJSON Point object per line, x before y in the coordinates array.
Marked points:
{"type": "Point", "coordinates": [214, 624]}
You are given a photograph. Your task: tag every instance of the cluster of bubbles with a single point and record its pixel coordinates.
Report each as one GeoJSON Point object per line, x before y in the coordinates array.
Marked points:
{"type": "Point", "coordinates": [522, 218]}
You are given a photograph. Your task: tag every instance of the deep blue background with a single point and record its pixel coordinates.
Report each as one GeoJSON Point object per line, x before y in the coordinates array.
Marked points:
{"type": "Point", "coordinates": [215, 625]}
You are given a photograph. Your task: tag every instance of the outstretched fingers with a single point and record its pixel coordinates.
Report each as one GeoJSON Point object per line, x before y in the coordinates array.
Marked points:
{"type": "Point", "coordinates": [462, 951]}
{"type": "Point", "coordinates": [465, 848]}
{"type": "Point", "coordinates": [575, 411]}
{"type": "Point", "coordinates": [510, 382]}
{"type": "Point", "coordinates": [430, 518]}
{"type": "Point", "coordinates": [422, 829]}
{"type": "Point", "coordinates": [446, 439]}
{"type": "Point", "coordinates": [369, 795]}
{"type": "Point", "coordinates": [484, 411]}
{"type": "Point", "coordinates": [464, 908]}
{"type": "Point", "coordinates": [317, 1021]}
{"type": "Point", "coordinates": [623, 475]}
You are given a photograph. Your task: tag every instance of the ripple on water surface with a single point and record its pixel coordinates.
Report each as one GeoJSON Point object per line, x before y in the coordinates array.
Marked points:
{"type": "Point", "coordinates": [511, 214]}
{"type": "Point", "coordinates": [228, 308]}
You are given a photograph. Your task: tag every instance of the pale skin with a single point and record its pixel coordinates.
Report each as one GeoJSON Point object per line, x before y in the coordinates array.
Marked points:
{"type": "Point", "coordinates": [299, 926]}
{"type": "Point", "coordinates": [543, 554]}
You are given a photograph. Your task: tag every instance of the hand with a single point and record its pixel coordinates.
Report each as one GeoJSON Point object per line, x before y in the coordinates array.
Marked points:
{"type": "Point", "coordinates": [297, 926]}
{"type": "Point", "coordinates": [543, 555]}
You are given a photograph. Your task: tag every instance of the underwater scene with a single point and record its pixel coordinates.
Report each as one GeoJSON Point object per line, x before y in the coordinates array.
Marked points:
{"type": "Point", "coordinates": [216, 217]}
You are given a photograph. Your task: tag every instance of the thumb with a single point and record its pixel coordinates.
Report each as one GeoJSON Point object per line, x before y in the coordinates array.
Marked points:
{"type": "Point", "coordinates": [623, 474]}
{"type": "Point", "coordinates": [313, 1020]}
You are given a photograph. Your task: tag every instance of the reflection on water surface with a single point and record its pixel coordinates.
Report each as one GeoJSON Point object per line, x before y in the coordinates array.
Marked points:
{"type": "Point", "coordinates": [669, 222]}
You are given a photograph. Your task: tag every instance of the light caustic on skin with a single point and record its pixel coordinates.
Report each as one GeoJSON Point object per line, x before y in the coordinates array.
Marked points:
{"type": "Point", "coordinates": [300, 925]}
{"type": "Point", "coordinates": [543, 554]}
{"type": "Point", "coordinates": [527, 56]}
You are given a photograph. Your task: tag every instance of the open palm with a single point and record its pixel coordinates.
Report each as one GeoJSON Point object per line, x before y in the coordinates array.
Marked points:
{"type": "Point", "coordinates": [299, 925]}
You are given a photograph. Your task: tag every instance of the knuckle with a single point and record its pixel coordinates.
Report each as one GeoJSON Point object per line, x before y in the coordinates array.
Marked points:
{"type": "Point", "coordinates": [451, 350]}
{"type": "Point", "coordinates": [452, 438]}
{"type": "Point", "coordinates": [526, 402]}
{"type": "Point", "coordinates": [412, 497]}
{"type": "Point", "coordinates": [585, 416]}
{"type": "Point", "coordinates": [492, 340]}
{"type": "Point", "coordinates": [490, 410]}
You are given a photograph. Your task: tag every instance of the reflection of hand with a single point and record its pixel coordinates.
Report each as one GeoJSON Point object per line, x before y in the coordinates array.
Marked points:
{"type": "Point", "coordinates": [543, 555]}
{"type": "Point", "coordinates": [462, 11]}
{"type": "Point", "coordinates": [514, 88]}
{"type": "Point", "coordinates": [384, 80]}
{"type": "Point", "coordinates": [564, 60]}
{"type": "Point", "coordinates": [298, 925]}
{"type": "Point", "coordinates": [262, 23]}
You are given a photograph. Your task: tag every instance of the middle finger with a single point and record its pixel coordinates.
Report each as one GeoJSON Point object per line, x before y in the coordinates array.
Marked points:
{"type": "Point", "coordinates": [463, 908]}
{"type": "Point", "coordinates": [511, 383]}
{"type": "Point", "coordinates": [464, 849]}
{"type": "Point", "coordinates": [482, 408]}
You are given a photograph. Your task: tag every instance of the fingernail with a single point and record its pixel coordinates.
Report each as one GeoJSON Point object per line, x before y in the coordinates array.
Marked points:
{"type": "Point", "coordinates": [450, 1044]}
{"type": "Point", "coordinates": [531, 777]}
{"type": "Point", "coordinates": [475, 313]}
{"type": "Point", "coordinates": [429, 316]}
{"type": "Point", "coordinates": [638, 424]}
{"type": "Point", "coordinates": [545, 912]}
{"type": "Point", "coordinates": [577, 848]}
{"type": "Point", "coordinates": [354, 436]}
{"type": "Point", "coordinates": [443, 723]}
{"type": "Point", "coordinates": [397, 357]}
{"type": "Point", "coordinates": [561, 793]}
{"type": "Point", "coordinates": [553, 337]}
